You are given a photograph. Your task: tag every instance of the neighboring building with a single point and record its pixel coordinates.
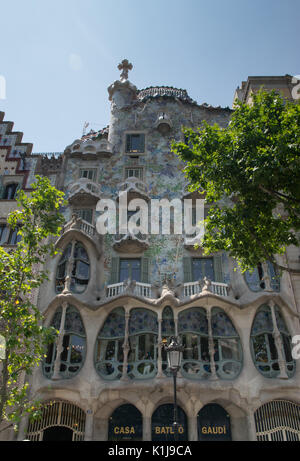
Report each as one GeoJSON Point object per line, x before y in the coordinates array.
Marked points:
{"type": "Point", "coordinates": [284, 84]}
{"type": "Point", "coordinates": [114, 298]}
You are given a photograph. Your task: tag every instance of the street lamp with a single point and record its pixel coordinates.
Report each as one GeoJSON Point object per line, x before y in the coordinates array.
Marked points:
{"type": "Point", "coordinates": [174, 354]}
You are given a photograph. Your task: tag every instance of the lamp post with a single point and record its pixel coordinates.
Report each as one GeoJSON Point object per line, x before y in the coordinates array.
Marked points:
{"type": "Point", "coordinates": [174, 353]}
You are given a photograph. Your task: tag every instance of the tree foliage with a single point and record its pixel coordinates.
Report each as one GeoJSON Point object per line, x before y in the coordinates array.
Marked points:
{"type": "Point", "coordinates": [250, 172]}
{"type": "Point", "coordinates": [21, 273]}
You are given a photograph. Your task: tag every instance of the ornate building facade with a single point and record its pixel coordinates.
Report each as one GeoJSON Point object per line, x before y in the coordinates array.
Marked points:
{"type": "Point", "coordinates": [114, 298]}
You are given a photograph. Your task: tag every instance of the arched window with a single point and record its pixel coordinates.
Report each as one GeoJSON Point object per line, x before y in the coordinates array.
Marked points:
{"type": "Point", "coordinates": [193, 329]}
{"type": "Point", "coordinates": [227, 345]}
{"type": "Point", "coordinates": [73, 343]}
{"type": "Point", "coordinates": [75, 264]}
{"type": "Point", "coordinates": [167, 330]}
{"type": "Point", "coordinates": [263, 345]}
{"type": "Point", "coordinates": [143, 332]}
{"type": "Point", "coordinates": [109, 346]}
{"type": "Point", "coordinates": [125, 423]}
{"type": "Point", "coordinates": [10, 191]}
{"type": "Point", "coordinates": [278, 421]}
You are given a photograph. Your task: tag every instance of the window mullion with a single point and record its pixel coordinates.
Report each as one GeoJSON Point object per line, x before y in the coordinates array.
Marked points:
{"type": "Point", "coordinates": [59, 343]}
{"type": "Point", "coordinates": [211, 347]}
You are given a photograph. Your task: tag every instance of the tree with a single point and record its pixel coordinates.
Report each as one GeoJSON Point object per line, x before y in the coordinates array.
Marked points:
{"type": "Point", "coordinates": [21, 273]}
{"type": "Point", "coordinates": [250, 172]}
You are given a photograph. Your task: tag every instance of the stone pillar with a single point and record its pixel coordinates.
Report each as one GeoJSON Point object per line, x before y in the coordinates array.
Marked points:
{"type": "Point", "coordinates": [89, 425]}
{"type": "Point", "coordinates": [159, 350]}
{"type": "Point", "coordinates": [147, 429]}
{"type": "Point", "coordinates": [59, 343]}
{"type": "Point", "coordinates": [193, 428]}
{"type": "Point", "coordinates": [278, 344]}
{"type": "Point", "coordinates": [251, 425]}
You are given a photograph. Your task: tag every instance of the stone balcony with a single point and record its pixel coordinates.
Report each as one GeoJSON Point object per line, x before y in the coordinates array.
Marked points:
{"type": "Point", "coordinates": [156, 294]}
{"type": "Point", "coordinates": [143, 290]}
{"type": "Point", "coordinates": [135, 188]}
{"type": "Point", "coordinates": [84, 191]}
{"type": "Point", "coordinates": [82, 228]}
{"type": "Point", "coordinates": [89, 148]}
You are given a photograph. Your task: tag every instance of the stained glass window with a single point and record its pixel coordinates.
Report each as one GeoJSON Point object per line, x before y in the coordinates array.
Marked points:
{"type": "Point", "coordinates": [227, 346]}
{"type": "Point", "coordinates": [74, 344]}
{"type": "Point", "coordinates": [79, 272]}
{"type": "Point", "coordinates": [143, 331]}
{"type": "Point", "coordinates": [193, 330]}
{"type": "Point", "coordinates": [264, 350]}
{"type": "Point", "coordinates": [109, 346]}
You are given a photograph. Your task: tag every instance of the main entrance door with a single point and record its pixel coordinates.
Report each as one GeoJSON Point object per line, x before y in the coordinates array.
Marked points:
{"type": "Point", "coordinates": [213, 423]}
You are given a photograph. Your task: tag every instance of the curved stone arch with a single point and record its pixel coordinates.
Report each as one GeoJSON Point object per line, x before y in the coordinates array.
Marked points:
{"type": "Point", "coordinates": [113, 400]}
{"type": "Point", "coordinates": [58, 413]}
{"type": "Point", "coordinates": [232, 408]}
{"type": "Point", "coordinates": [267, 298]}
{"type": "Point", "coordinates": [167, 398]}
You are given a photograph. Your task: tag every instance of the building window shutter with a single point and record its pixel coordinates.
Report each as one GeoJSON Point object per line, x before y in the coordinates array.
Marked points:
{"type": "Point", "coordinates": [1, 191]}
{"type": "Point", "coordinates": [145, 270]}
{"type": "Point", "coordinates": [187, 269]}
{"type": "Point", "coordinates": [218, 269]}
{"type": "Point", "coordinates": [114, 274]}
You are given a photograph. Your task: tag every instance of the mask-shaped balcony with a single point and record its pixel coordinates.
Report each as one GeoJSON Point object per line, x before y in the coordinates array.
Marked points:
{"type": "Point", "coordinates": [90, 148]}
{"type": "Point", "coordinates": [131, 243]}
{"type": "Point", "coordinates": [84, 191]}
{"type": "Point", "coordinates": [135, 188]}
{"type": "Point", "coordinates": [80, 228]}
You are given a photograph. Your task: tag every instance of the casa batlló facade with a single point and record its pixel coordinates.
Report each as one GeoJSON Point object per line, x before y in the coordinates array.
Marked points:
{"type": "Point", "coordinates": [114, 298]}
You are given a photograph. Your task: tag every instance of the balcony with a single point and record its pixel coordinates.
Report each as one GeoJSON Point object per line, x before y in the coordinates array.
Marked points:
{"type": "Point", "coordinates": [143, 290]}
{"type": "Point", "coordinates": [135, 188]}
{"type": "Point", "coordinates": [90, 148]}
{"type": "Point", "coordinates": [82, 228]}
{"type": "Point", "coordinates": [81, 225]}
{"type": "Point", "coordinates": [84, 191]}
{"type": "Point", "coordinates": [195, 288]}
{"type": "Point", "coordinates": [131, 243]}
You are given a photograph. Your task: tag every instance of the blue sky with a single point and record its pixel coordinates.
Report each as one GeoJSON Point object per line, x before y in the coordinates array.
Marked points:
{"type": "Point", "coordinates": [59, 57]}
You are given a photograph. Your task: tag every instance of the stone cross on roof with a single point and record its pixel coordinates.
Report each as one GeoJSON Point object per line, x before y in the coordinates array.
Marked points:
{"type": "Point", "coordinates": [125, 66]}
